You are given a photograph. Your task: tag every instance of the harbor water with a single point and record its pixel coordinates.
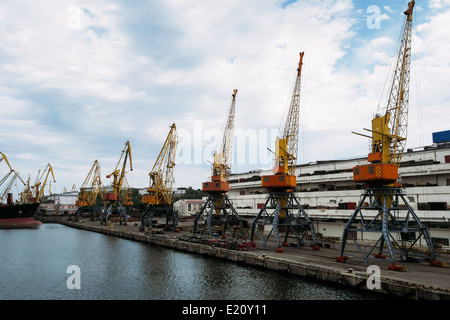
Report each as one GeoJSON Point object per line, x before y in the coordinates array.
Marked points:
{"type": "Point", "coordinates": [56, 262]}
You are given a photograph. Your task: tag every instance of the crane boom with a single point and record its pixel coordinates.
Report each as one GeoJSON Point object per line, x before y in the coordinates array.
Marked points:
{"type": "Point", "coordinates": [390, 130]}
{"type": "Point", "coordinates": [39, 186]}
{"type": "Point", "coordinates": [222, 160]}
{"type": "Point", "coordinates": [12, 171]}
{"type": "Point", "coordinates": [3, 157]}
{"type": "Point", "coordinates": [398, 101]}
{"type": "Point", "coordinates": [290, 134]}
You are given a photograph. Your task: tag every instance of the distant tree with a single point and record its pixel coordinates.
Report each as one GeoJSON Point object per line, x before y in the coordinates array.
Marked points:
{"type": "Point", "coordinates": [190, 194]}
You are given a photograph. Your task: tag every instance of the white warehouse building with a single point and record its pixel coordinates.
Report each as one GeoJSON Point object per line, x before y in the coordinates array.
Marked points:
{"type": "Point", "coordinates": [329, 195]}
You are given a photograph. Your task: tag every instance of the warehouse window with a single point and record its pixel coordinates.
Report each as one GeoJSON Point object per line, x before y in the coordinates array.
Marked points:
{"type": "Point", "coordinates": [437, 205]}
{"type": "Point", "coordinates": [352, 235]}
{"type": "Point", "coordinates": [408, 236]}
{"type": "Point", "coordinates": [441, 241]}
{"type": "Point", "coordinates": [440, 206]}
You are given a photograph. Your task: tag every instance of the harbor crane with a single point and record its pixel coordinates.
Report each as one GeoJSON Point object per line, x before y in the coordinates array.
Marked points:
{"type": "Point", "coordinates": [218, 209]}
{"type": "Point", "coordinates": [117, 196]}
{"type": "Point", "coordinates": [12, 175]}
{"type": "Point", "coordinates": [91, 188]}
{"type": "Point", "coordinates": [388, 212]}
{"type": "Point", "coordinates": [158, 201]}
{"type": "Point", "coordinates": [26, 194]}
{"type": "Point", "coordinates": [39, 185]}
{"type": "Point", "coordinates": [282, 208]}
{"type": "Point", "coordinates": [4, 158]}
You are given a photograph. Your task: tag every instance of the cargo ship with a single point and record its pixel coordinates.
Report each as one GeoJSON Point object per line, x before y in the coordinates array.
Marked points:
{"type": "Point", "coordinates": [18, 216]}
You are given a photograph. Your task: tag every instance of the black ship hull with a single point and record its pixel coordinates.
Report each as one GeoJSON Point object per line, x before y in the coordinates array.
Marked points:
{"type": "Point", "coordinates": [17, 216]}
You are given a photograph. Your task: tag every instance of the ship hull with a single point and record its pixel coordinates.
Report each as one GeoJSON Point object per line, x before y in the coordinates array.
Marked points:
{"type": "Point", "coordinates": [19, 216]}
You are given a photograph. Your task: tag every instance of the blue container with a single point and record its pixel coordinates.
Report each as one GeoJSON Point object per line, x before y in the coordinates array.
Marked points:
{"type": "Point", "coordinates": [442, 136]}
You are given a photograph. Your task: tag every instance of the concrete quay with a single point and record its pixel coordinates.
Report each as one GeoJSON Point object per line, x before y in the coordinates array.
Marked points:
{"type": "Point", "coordinates": [420, 282]}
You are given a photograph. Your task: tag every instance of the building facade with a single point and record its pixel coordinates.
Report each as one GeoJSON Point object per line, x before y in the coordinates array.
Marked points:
{"type": "Point", "coordinates": [61, 203]}
{"type": "Point", "coordinates": [329, 195]}
{"type": "Point", "coordinates": [187, 207]}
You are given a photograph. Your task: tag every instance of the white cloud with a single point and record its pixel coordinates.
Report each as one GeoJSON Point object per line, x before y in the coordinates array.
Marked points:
{"type": "Point", "coordinates": [84, 77]}
{"type": "Point", "coordinates": [438, 4]}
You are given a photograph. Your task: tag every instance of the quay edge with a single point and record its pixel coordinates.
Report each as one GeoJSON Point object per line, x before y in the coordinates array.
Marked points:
{"type": "Point", "coordinates": [390, 286]}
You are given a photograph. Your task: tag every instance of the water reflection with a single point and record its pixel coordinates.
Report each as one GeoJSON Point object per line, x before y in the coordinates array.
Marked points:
{"type": "Point", "coordinates": [34, 264]}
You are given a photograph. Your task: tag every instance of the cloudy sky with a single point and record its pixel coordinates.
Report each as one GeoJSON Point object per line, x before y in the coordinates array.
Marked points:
{"type": "Point", "coordinates": [80, 78]}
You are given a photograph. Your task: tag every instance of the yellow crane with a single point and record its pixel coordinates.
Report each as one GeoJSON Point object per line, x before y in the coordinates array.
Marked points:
{"type": "Point", "coordinates": [4, 158]}
{"type": "Point", "coordinates": [27, 194]}
{"type": "Point", "coordinates": [41, 182]}
{"type": "Point", "coordinates": [221, 166]}
{"type": "Point", "coordinates": [158, 201]}
{"type": "Point", "coordinates": [91, 188]}
{"type": "Point", "coordinates": [117, 196]}
{"type": "Point", "coordinates": [282, 208]}
{"type": "Point", "coordinates": [20, 214]}
{"type": "Point", "coordinates": [218, 209]}
{"type": "Point", "coordinates": [389, 131]}
{"type": "Point", "coordinates": [5, 195]}
{"type": "Point", "coordinates": [382, 190]}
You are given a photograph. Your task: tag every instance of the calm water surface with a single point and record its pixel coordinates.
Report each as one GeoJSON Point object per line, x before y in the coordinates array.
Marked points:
{"type": "Point", "coordinates": [34, 266]}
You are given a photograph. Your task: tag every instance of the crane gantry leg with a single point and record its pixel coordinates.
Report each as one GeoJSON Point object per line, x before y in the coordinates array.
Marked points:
{"type": "Point", "coordinates": [282, 210]}
{"type": "Point", "coordinates": [114, 208]}
{"type": "Point", "coordinates": [218, 210]}
{"type": "Point", "coordinates": [159, 211]}
{"type": "Point", "coordinates": [385, 211]}
{"type": "Point", "coordinates": [92, 211]}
